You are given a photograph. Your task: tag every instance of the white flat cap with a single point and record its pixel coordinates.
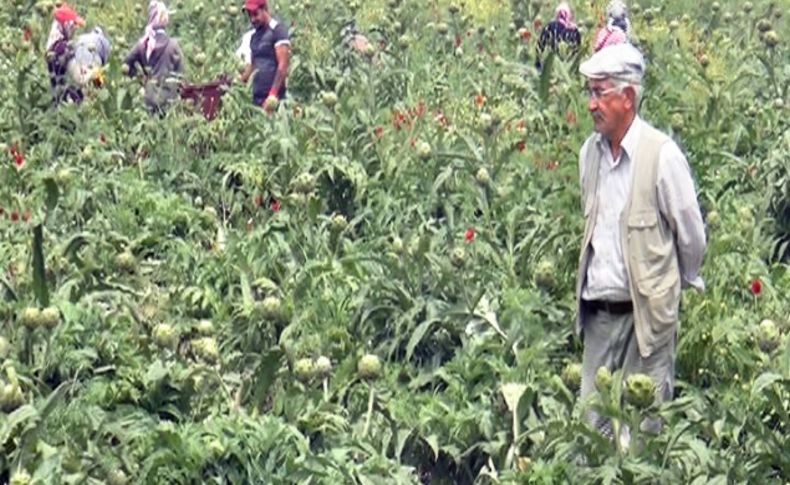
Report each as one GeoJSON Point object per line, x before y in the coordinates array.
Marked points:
{"type": "Point", "coordinates": [619, 61]}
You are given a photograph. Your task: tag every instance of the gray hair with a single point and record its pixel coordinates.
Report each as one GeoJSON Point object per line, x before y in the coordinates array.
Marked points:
{"type": "Point", "coordinates": [623, 83]}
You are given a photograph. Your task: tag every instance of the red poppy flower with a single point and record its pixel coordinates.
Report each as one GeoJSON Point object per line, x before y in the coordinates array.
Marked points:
{"type": "Point", "coordinates": [102, 139]}
{"type": "Point", "coordinates": [526, 35]}
{"type": "Point", "coordinates": [537, 24]}
{"type": "Point", "coordinates": [470, 235]}
{"type": "Point", "coordinates": [570, 117]}
{"type": "Point", "coordinates": [275, 205]}
{"type": "Point", "coordinates": [522, 145]}
{"type": "Point", "coordinates": [27, 34]}
{"type": "Point", "coordinates": [757, 287]}
{"type": "Point", "coordinates": [480, 100]}
{"type": "Point", "coordinates": [19, 157]}
{"type": "Point", "coordinates": [379, 131]}
{"type": "Point", "coordinates": [458, 40]}
{"type": "Point", "coordinates": [2, 211]}
{"type": "Point", "coordinates": [15, 216]}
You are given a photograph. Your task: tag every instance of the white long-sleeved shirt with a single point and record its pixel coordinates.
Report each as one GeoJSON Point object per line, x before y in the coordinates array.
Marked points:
{"type": "Point", "coordinates": [607, 278]}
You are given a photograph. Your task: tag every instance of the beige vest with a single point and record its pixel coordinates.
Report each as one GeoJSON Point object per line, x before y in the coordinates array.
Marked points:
{"type": "Point", "coordinates": [647, 241]}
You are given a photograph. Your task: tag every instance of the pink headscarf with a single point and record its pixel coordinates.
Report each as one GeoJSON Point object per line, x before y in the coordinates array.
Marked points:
{"type": "Point", "coordinates": [564, 15]}
{"type": "Point", "coordinates": [158, 19]}
{"type": "Point", "coordinates": [617, 28]}
{"type": "Point", "coordinates": [609, 36]}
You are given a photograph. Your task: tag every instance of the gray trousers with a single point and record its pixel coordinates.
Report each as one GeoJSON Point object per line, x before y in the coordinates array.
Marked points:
{"type": "Point", "coordinates": [610, 341]}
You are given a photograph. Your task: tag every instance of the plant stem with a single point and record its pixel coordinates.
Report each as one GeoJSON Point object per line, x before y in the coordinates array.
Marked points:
{"type": "Point", "coordinates": [515, 434]}
{"type": "Point", "coordinates": [370, 411]}
{"type": "Point", "coordinates": [326, 390]}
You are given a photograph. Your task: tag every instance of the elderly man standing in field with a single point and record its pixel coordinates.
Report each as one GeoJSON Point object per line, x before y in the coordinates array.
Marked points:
{"type": "Point", "coordinates": [644, 237]}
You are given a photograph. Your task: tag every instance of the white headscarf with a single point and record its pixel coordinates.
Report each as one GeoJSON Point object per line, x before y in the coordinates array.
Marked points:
{"type": "Point", "coordinates": [158, 19]}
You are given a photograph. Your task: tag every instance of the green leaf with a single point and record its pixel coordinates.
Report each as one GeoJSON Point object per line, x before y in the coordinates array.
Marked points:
{"type": "Point", "coordinates": [266, 373]}
{"type": "Point", "coordinates": [433, 442]}
{"type": "Point", "coordinates": [417, 336]}
{"type": "Point", "coordinates": [53, 193]}
{"type": "Point", "coordinates": [39, 272]}
{"type": "Point", "coordinates": [545, 77]}
{"type": "Point", "coordinates": [765, 380]}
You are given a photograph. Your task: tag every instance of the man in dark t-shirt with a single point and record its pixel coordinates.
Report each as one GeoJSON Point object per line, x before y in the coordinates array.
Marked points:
{"type": "Point", "coordinates": [270, 47]}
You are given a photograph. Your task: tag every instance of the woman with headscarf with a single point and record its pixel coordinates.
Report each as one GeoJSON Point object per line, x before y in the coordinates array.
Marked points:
{"type": "Point", "coordinates": [60, 51]}
{"type": "Point", "coordinates": [617, 29]}
{"type": "Point", "coordinates": [158, 56]}
{"type": "Point", "coordinates": [560, 30]}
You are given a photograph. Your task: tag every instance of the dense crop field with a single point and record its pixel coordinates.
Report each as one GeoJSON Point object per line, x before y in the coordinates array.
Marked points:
{"type": "Point", "coordinates": [190, 302]}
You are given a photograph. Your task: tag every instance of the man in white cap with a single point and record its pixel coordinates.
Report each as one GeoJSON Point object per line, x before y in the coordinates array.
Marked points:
{"type": "Point", "coordinates": [644, 237]}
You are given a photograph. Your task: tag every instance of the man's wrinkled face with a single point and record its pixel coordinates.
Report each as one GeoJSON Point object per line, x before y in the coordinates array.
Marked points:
{"type": "Point", "coordinates": [609, 105]}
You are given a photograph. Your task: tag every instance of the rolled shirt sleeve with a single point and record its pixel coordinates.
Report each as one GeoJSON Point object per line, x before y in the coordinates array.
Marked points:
{"type": "Point", "coordinates": [677, 200]}
{"type": "Point", "coordinates": [281, 36]}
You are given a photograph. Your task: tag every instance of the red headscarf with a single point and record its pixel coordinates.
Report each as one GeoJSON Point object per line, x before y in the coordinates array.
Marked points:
{"type": "Point", "coordinates": [65, 14]}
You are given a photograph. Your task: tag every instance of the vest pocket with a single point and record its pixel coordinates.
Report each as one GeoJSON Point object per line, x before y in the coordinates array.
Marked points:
{"type": "Point", "coordinates": [649, 252]}
{"type": "Point", "coordinates": [664, 306]}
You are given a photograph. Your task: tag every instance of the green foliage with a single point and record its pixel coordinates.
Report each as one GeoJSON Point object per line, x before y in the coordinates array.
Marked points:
{"type": "Point", "coordinates": [418, 204]}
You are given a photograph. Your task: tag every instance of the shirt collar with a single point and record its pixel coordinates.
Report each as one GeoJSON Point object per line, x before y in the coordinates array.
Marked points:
{"type": "Point", "coordinates": [630, 140]}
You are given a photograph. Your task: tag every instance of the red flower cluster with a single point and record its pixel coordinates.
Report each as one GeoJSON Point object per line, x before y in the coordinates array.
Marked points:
{"type": "Point", "coordinates": [379, 132]}
{"type": "Point", "coordinates": [19, 157]}
{"type": "Point", "coordinates": [408, 116]}
{"type": "Point", "coordinates": [480, 100]}
{"type": "Point", "coordinates": [16, 216]}
{"type": "Point", "coordinates": [27, 34]}
{"type": "Point", "coordinates": [526, 35]}
{"type": "Point", "coordinates": [275, 205]}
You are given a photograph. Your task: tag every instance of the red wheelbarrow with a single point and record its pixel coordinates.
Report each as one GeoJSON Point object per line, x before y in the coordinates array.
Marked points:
{"type": "Point", "coordinates": [208, 95]}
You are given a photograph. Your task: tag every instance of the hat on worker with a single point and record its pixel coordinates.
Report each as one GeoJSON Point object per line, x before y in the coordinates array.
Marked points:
{"type": "Point", "coordinates": [623, 62]}
{"type": "Point", "coordinates": [65, 14]}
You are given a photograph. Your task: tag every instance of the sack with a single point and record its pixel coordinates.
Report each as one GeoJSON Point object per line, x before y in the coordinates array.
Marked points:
{"type": "Point", "coordinates": [91, 52]}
